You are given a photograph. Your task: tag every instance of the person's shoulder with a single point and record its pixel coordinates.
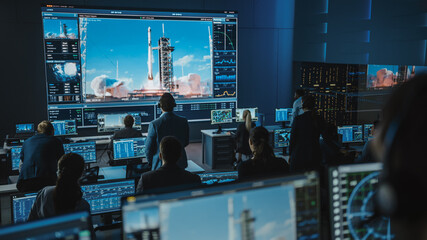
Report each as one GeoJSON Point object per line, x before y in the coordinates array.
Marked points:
{"type": "Point", "coordinates": [44, 192]}
{"type": "Point", "coordinates": [192, 176]}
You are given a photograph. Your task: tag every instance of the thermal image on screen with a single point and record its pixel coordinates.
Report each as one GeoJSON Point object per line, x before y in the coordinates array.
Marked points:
{"type": "Point", "coordinates": [221, 116]}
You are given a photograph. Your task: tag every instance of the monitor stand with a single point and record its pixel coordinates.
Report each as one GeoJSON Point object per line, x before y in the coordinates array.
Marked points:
{"type": "Point", "coordinates": [219, 131]}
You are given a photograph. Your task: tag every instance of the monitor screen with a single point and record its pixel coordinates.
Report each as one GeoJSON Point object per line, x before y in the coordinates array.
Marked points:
{"type": "Point", "coordinates": [367, 132]}
{"type": "Point", "coordinates": [102, 61]}
{"type": "Point", "coordinates": [265, 210]}
{"type": "Point", "coordinates": [15, 155]}
{"type": "Point", "coordinates": [282, 137]}
{"type": "Point", "coordinates": [114, 122]}
{"type": "Point", "coordinates": [70, 226]}
{"type": "Point", "coordinates": [283, 114]}
{"type": "Point", "coordinates": [85, 149]}
{"type": "Point", "coordinates": [65, 127]}
{"type": "Point", "coordinates": [352, 190]}
{"type": "Point", "coordinates": [384, 76]}
{"type": "Point", "coordinates": [24, 128]}
{"type": "Point", "coordinates": [239, 114]}
{"type": "Point", "coordinates": [21, 206]}
{"type": "Point", "coordinates": [221, 116]}
{"type": "Point", "coordinates": [128, 148]}
{"type": "Point", "coordinates": [351, 133]}
{"type": "Point", "coordinates": [105, 197]}
{"type": "Point", "coordinates": [218, 177]}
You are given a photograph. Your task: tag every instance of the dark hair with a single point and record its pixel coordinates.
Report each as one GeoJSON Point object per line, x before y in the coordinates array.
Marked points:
{"type": "Point", "coordinates": [45, 127]}
{"type": "Point", "coordinates": [67, 191]}
{"type": "Point", "coordinates": [300, 92]}
{"type": "Point", "coordinates": [259, 137]}
{"type": "Point", "coordinates": [167, 102]}
{"type": "Point", "coordinates": [308, 102]}
{"type": "Point", "coordinates": [128, 121]}
{"type": "Point", "coordinates": [376, 124]}
{"type": "Point", "coordinates": [170, 147]}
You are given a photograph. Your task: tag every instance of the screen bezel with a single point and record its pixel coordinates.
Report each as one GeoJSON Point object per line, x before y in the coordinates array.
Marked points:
{"type": "Point", "coordinates": [346, 126]}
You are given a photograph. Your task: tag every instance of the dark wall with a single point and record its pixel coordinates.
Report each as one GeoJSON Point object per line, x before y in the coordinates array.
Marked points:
{"type": "Point", "coordinates": [265, 54]}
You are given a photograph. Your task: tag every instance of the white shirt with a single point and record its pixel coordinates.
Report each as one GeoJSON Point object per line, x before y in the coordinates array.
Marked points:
{"type": "Point", "coordinates": [297, 109]}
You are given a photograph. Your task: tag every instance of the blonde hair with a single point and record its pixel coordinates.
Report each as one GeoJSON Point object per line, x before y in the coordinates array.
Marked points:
{"type": "Point", "coordinates": [45, 127]}
{"type": "Point", "coordinates": [248, 120]}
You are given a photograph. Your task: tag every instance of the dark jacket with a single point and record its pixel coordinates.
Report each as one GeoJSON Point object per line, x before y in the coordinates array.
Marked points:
{"type": "Point", "coordinates": [168, 124]}
{"type": "Point", "coordinates": [242, 139]}
{"type": "Point", "coordinates": [124, 133]}
{"type": "Point", "coordinates": [39, 156]}
{"type": "Point", "coordinates": [304, 146]}
{"type": "Point", "coordinates": [252, 169]}
{"type": "Point", "coordinates": [169, 176]}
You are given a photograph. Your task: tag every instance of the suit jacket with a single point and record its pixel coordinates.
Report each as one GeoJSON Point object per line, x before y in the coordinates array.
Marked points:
{"type": "Point", "coordinates": [168, 124]}
{"type": "Point", "coordinates": [39, 156]}
{"type": "Point", "coordinates": [167, 177]}
{"type": "Point", "coordinates": [252, 169]}
{"type": "Point", "coordinates": [124, 133]}
{"type": "Point", "coordinates": [304, 143]}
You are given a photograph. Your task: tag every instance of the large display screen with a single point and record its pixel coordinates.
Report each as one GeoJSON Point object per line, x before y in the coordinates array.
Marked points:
{"type": "Point", "coordinates": [102, 61]}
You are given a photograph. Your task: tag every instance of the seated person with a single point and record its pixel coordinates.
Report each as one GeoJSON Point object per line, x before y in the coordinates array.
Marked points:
{"type": "Point", "coordinates": [39, 158]}
{"type": "Point", "coordinates": [263, 163]}
{"type": "Point", "coordinates": [366, 155]}
{"type": "Point", "coordinates": [169, 175]}
{"type": "Point", "coordinates": [243, 150]}
{"type": "Point", "coordinates": [127, 132]}
{"type": "Point", "coordinates": [66, 196]}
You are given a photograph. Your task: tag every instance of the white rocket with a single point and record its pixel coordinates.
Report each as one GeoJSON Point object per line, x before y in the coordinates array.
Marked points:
{"type": "Point", "coordinates": [150, 56]}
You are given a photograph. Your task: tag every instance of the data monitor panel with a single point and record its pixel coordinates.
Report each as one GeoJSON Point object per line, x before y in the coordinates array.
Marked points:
{"type": "Point", "coordinates": [351, 133]}
{"type": "Point", "coordinates": [282, 137]}
{"type": "Point", "coordinates": [24, 128]}
{"type": "Point", "coordinates": [221, 116]}
{"type": "Point", "coordinates": [65, 127]}
{"type": "Point", "coordinates": [236, 211]}
{"type": "Point", "coordinates": [367, 132]}
{"type": "Point", "coordinates": [218, 177]}
{"type": "Point", "coordinates": [128, 148]}
{"type": "Point", "coordinates": [114, 122]}
{"type": "Point", "coordinates": [105, 197]}
{"type": "Point", "coordinates": [21, 206]}
{"type": "Point", "coordinates": [352, 193]}
{"type": "Point", "coordinates": [91, 68]}
{"type": "Point", "coordinates": [85, 149]}
{"type": "Point", "coordinates": [15, 156]}
{"type": "Point", "coordinates": [70, 226]}
{"type": "Point", "coordinates": [283, 114]}
{"type": "Point", "coordinates": [239, 114]}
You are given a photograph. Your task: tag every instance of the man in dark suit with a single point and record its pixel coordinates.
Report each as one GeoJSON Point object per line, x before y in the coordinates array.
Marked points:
{"type": "Point", "coordinates": [127, 132]}
{"type": "Point", "coordinates": [169, 176]}
{"type": "Point", "coordinates": [304, 148]}
{"type": "Point", "coordinates": [168, 124]}
{"type": "Point", "coordinates": [39, 159]}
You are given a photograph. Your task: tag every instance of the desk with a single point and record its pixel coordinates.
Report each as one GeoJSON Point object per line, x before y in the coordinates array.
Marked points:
{"type": "Point", "coordinates": [110, 173]}
{"type": "Point", "coordinates": [194, 168]}
{"type": "Point", "coordinates": [218, 149]}
{"type": "Point", "coordinates": [5, 191]}
{"type": "Point", "coordinates": [99, 140]}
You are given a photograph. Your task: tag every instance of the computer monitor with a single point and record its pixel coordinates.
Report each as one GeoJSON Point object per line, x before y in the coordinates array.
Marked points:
{"type": "Point", "coordinates": [283, 114]}
{"type": "Point", "coordinates": [15, 156]}
{"type": "Point", "coordinates": [114, 122]}
{"type": "Point", "coordinates": [351, 133]}
{"type": "Point", "coordinates": [239, 114]}
{"type": "Point", "coordinates": [128, 148]}
{"type": "Point", "coordinates": [218, 177]}
{"type": "Point", "coordinates": [105, 197]}
{"type": "Point", "coordinates": [352, 190]}
{"type": "Point", "coordinates": [270, 209]}
{"type": "Point", "coordinates": [65, 127]}
{"type": "Point", "coordinates": [24, 128]}
{"type": "Point", "coordinates": [282, 137]}
{"type": "Point", "coordinates": [221, 116]}
{"type": "Point", "coordinates": [367, 132]}
{"type": "Point", "coordinates": [21, 206]}
{"type": "Point", "coordinates": [71, 226]}
{"type": "Point", "coordinates": [85, 149]}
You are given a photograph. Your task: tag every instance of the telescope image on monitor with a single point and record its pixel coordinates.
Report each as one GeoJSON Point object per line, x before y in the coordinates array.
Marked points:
{"type": "Point", "coordinates": [351, 133]}
{"type": "Point", "coordinates": [114, 122]}
{"type": "Point", "coordinates": [65, 127]}
{"type": "Point", "coordinates": [239, 114]}
{"type": "Point", "coordinates": [128, 148]}
{"type": "Point", "coordinates": [283, 114]}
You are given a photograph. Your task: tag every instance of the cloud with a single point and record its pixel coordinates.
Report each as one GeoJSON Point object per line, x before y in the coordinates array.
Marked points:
{"type": "Point", "coordinates": [266, 229]}
{"type": "Point", "coordinates": [70, 69]}
{"type": "Point", "coordinates": [206, 57]}
{"type": "Point", "coordinates": [204, 67]}
{"type": "Point", "coordinates": [184, 61]}
{"type": "Point", "coordinates": [90, 71]}
{"type": "Point", "coordinates": [206, 46]}
{"type": "Point", "coordinates": [176, 41]}
{"type": "Point", "coordinates": [111, 50]}
{"type": "Point", "coordinates": [126, 72]}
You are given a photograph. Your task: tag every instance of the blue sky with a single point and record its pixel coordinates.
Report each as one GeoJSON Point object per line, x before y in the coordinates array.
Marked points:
{"type": "Point", "coordinates": [136, 220]}
{"type": "Point", "coordinates": [207, 218]}
{"type": "Point", "coordinates": [373, 69]}
{"type": "Point", "coordinates": [53, 26]}
{"type": "Point", "coordinates": [126, 41]}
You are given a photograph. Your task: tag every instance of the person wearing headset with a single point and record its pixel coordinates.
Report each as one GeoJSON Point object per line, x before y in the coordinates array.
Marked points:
{"type": "Point", "coordinates": [168, 124]}
{"type": "Point", "coordinates": [400, 145]}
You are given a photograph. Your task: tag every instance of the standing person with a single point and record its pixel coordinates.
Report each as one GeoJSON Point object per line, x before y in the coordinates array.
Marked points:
{"type": "Point", "coordinates": [39, 158]}
{"type": "Point", "coordinates": [304, 148]}
{"type": "Point", "coordinates": [168, 124]}
{"type": "Point", "coordinates": [243, 150]}
{"type": "Point", "coordinates": [127, 132]}
{"type": "Point", "coordinates": [66, 196]}
{"type": "Point", "coordinates": [263, 163]}
{"type": "Point", "coordinates": [366, 155]}
{"type": "Point", "coordinates": [297, 106]}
